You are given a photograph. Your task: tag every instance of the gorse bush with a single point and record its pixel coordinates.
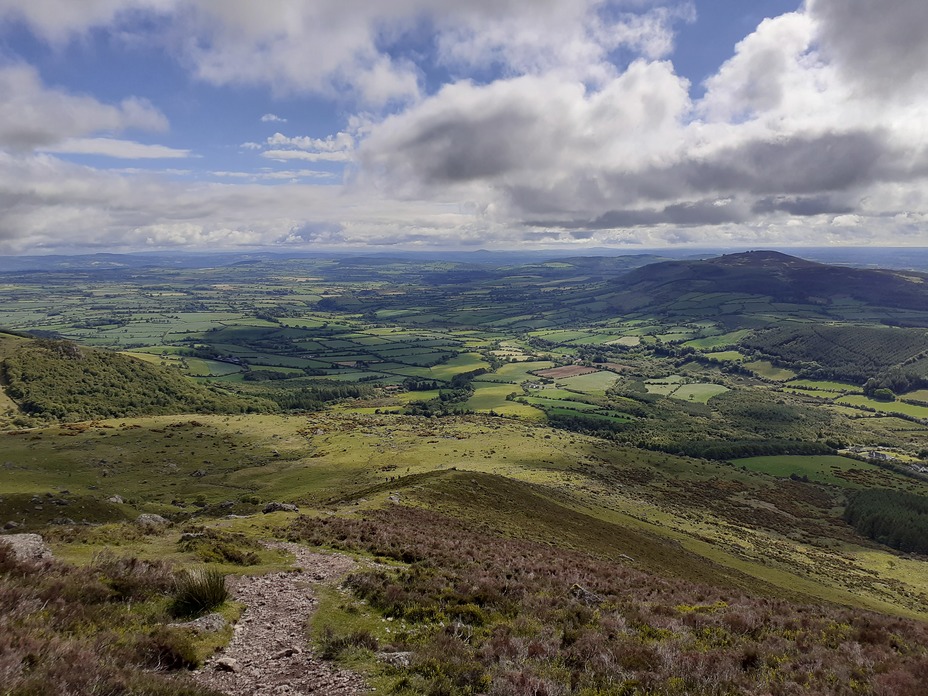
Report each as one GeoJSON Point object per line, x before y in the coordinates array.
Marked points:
{"type": "Point", "coordinates": [198, 591]}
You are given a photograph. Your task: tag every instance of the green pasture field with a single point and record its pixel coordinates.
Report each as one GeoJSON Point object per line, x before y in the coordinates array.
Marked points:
{"type": "Point", "coordinates": [464, 362]}
{"type": "Point", "coordinates": [560, 403]}
{"type": "Point", "coordinates": [514, 373]}
{"type": "Point", "coordinates": [492, 397]}
{"type": "Point", "coordinates": [902, 407]}
{"type": "Point", "coordinates": [836, 387]}
{"type": "Point", "coordinates": [918, 395]}
{"type": "Point", "coordinates": [767, 370]}
{"type": "Point", "coordinates": [627, 341]}
{"type": "Point", "coordinates": [593, 383]}
{"type": "Point", "coordinates": [664, 386]}
{"type": "Point", "coordinates": [700, 393]}
{"type": "Point", "coordinates": [722, 340]}
{"type": "Point", "coordinates": [727, 356]}
{"type": "Point", "coordinates": [823, 469]}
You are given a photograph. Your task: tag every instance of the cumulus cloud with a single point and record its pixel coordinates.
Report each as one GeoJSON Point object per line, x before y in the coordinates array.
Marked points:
{"type": "Point", "coordinates": [813, 129]}
{"type": "Point", "coordinates": [878, 46]}
{"type": "Point", "coordinates": [34, 115]}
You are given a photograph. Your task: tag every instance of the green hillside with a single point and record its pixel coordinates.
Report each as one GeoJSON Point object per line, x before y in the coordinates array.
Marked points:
{"type": "Point", "coordinates": [61, 380]}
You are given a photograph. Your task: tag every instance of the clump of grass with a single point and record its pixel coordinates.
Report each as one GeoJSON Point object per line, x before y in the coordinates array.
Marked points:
{"type": "Point", "coordinates": [197, 592]}
{"type": "Point", "coordinates": [333, 645]}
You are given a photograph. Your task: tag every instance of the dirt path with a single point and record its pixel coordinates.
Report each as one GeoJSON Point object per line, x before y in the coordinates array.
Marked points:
{"type": "Point", "coordinates": [269, 646]}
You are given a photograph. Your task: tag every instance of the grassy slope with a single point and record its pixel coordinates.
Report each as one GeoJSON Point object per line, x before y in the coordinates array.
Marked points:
{"type": "Point", "coordinates": [671, 515]}
{"type": "Point", "coordinates": [60, 380]}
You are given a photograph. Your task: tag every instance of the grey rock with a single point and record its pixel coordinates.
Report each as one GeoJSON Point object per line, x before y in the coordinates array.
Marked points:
{"type": "Point", "coordinates": [287, 652]}
{"type": "Point", "coordinates": [210, 623]}
{"type": "Point", "coordinates": [151, 521]}
{"type": "Point", "coordinates": [227, 664]}
{"type": "Point", "coordinates": [117, 499]}
{"type": "Point", "coordinates": [27, 547]}
{"type": "Point", "coordinates": [11, 525]}
{"type": "Point", "coordinates": [280, 507]}
{"type": "Point", "coordinates": [63, 521]}
{"type": "Point", "coordinates": [393, 498]}
{"type": "Point", "coordinates": [199, 473]}
{"type": "Point", "coordinates": [395, 659]}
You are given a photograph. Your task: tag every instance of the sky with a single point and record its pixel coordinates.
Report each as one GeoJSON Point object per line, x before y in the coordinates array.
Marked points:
{"type": "Point", "coordinates": [204, 125]}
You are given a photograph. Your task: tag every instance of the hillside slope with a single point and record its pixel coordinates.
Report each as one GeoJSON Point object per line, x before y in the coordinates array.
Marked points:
{"type": "Point", "coordinates": [61, 380]}
{"type": "Point", "coordinates": [778, 277]}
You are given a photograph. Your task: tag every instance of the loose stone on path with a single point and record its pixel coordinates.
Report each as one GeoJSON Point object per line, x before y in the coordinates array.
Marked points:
{"type": "Point", "coordinates": [268, 653]}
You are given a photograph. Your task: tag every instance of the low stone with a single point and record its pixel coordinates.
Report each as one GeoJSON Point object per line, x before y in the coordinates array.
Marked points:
{"type": "Point", "coordinates": [280, 507]}
{"type": "Point", "coordinates": [11, 525]}
{"type": "Point", "coordinates": [116, 499]}
{"type": "Point", "coordinates": [199, 473]}
{"type": "Point", "coordinates": [227, 664]}
{"type": "Point", "coordinates": [62, 521]}
{"type": "Point", "coordinates": [395, 659]}
{"type": "Point", "coordinates": [287, 652]}
{"type": "Point", "coordinates": [211, 623]}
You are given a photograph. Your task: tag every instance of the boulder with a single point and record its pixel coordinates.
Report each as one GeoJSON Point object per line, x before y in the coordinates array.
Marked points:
{"type": "Point", "coordinates": [150, 521]}
{"type": "Point", "coordinates": [280, 507]}
{"type": "Point", "coordinates": [27, 547]}
{"type": "Point", "coordinates": [227, 664]}
{"type": "Point", "coordinates": [117, 499]}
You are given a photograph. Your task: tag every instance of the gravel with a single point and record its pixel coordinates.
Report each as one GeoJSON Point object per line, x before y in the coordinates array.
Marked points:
{"type": "Point", "coordinates": [269, 653]}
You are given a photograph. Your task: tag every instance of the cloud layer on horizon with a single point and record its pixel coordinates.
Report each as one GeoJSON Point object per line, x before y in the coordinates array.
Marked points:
{"type": "Point", "coordinates": [812, 132]}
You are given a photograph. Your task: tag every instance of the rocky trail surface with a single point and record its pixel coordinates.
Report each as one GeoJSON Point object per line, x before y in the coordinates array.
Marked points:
{"type": "Point", "coordinates": [268, 653]}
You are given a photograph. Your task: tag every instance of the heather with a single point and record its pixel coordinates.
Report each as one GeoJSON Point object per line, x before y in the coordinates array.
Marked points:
{"type": "Point", "coordinates": [100, 629]}
{"type": "Point", "coordinates": [492, 615]}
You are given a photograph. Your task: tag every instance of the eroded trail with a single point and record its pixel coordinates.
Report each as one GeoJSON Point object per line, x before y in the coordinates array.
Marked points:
{"type": "Point", "coordinates": [269, 646]}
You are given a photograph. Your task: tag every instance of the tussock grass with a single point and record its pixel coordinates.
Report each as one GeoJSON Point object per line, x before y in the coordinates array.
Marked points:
{"type": "Point", "coordinates": [198, 591]}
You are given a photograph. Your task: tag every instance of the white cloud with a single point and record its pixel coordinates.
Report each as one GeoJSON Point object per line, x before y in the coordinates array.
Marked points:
{"type": "Point", "coordinates": [34, 115]}
{"type": "Point", "coordinates": [306, 156]}
{"type": "Point", "coordinates": [109, 147]}
{"type": "Point", "coordinates": [812, 131]}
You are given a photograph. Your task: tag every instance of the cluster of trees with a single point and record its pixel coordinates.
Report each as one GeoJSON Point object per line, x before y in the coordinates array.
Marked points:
{"type": "Point", "coordinates": [587, 424]}
{"type": "Point", "coordinates": [893, 518]}
{"type": "Point", "coordinates": [737, 449]}
{"type": "Point", "coordinates": [314, 397]}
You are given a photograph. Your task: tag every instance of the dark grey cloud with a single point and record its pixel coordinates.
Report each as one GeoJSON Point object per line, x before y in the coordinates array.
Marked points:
{"type": "Point", "coordinates": [881, 44]}
{"type": "Point", "coordinates": [683, 214]}
{"type": "Point", "coordinates": [802, 206]}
